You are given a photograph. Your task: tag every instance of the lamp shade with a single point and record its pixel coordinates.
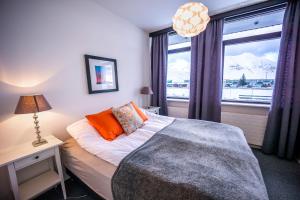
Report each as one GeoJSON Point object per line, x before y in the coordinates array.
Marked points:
{"type": "Point", "coordinates": [190, 19]}
{"type": "Point", "coordinates": [32, 104]}
{"type": "Point", "coordinates": [146, 90]}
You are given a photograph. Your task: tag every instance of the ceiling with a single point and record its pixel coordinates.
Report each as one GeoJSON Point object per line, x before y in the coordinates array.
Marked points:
{"type": "Point", "coordinates": [152, 15]}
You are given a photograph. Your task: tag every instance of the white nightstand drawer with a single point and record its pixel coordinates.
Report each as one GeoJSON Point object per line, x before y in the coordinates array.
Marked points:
{"type": "Point", "coordinates": [34, 159]}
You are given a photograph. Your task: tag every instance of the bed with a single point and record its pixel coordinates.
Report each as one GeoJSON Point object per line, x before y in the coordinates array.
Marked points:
{"type": "Point", "coordinates": [93, 171]}
{"type": "Point", "coordinates": [146, 165]}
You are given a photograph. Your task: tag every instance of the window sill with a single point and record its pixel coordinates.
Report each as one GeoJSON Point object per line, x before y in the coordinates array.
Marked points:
{"type": "Point", "coordinates": [177, 100]}
{"type": "Point", "coordinates": [256, 105]}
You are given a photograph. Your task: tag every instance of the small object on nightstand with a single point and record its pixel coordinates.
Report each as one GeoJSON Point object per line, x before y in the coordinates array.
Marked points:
{"type": "Point", "coordinates": [33, 104]}
{"type": "Point", "coordinates": [26, 155]}
{"type": "Point", "coordinates": [152, 109]}
{"type": "Point", "coordinates": [147, 91]}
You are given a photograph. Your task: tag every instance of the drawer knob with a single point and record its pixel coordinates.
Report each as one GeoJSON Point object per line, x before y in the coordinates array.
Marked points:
{"type": "Point", "coordinates": [36, 157]}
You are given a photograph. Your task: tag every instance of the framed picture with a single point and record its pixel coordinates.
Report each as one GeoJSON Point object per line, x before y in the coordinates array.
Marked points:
{"type": "Point", "coordinates": [101, 74]}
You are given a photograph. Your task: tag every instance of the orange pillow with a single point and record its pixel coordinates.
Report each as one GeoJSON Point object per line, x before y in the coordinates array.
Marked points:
{"type": "Point", "coordinates": [106, 124]}
{"type": "Point", "coordinates": [138, 110]}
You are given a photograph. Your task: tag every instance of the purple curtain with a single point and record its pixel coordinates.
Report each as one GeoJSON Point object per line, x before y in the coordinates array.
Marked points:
{"type": "Point", "coordinates": [283, 130]}
{"type": "Point", "coordinates": [159, 59]}
{"type": "Point", "coordinates": [206, 73]}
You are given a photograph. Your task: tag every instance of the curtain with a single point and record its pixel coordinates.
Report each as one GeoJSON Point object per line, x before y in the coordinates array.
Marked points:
{"type": "Point", "coordinates": [283, 130]}
{"type": "Point", "coordinates": [159, 59]}
{"type": "Point", "coordinates": [206, 73]}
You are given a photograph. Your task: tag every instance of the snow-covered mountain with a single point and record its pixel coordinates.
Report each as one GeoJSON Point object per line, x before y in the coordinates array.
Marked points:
{"type": "Point", "coordinates": [254, 67]}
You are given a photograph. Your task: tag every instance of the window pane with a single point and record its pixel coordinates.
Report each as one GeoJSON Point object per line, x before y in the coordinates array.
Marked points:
{"type": "Point", "coordinates": [249, 71]}
{"type": "Point", "coordinates": [254, 22]}
{"type": "Point", "coordinates": [178, 75]}
{"type": "Point", "coordinates": [176, 42]}
{"type": "Point", "coordinates": [175, 39]}
{"type": "Point", "coordinates": [179, 45]}
{"type": "Point", "coordinates": [253, 32]}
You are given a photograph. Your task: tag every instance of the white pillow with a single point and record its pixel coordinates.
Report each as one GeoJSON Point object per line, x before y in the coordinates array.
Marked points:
{"type": "Point", "coordinates": [82, 130]}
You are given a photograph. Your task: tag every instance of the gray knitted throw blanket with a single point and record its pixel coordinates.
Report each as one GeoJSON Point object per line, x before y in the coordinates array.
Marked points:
{"type": "Point", "coordinates": [191, 159]}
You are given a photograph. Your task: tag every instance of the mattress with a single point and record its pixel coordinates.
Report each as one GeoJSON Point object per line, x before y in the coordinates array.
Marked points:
{"type": "Point", "coordinates": [92, 170]}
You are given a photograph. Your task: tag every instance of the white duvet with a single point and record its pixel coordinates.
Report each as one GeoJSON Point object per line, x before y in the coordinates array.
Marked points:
{"type": "Point", "coordinates": [114, 151]}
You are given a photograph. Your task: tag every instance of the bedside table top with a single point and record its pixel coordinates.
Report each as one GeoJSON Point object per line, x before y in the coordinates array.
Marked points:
{"type": "Point", "coordinates": [17, 152]}
{"type": "Point", "coordinates": [151, 107]}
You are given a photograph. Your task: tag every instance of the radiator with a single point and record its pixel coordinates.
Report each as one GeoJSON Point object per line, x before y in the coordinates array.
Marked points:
{"type": "Point", "coordinates": [180, 112]}
{"type": "Point", "coordinates": [252, 120]}
{"type": "Point", "coordinates": [253, 125]}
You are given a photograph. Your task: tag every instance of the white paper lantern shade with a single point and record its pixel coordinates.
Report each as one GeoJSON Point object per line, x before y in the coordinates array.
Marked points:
{"type": "Point", "coordinates": [190, 19]}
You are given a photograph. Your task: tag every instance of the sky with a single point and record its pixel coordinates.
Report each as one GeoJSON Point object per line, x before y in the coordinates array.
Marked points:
{"type": "Point", "coordinates": [248, 58]}
{"type": "Point", "coordinates": [179, 66]}
{"type": "Point", "coordinates": [245, 58]}
{"type": "Point", "coordinates": [257, 60]}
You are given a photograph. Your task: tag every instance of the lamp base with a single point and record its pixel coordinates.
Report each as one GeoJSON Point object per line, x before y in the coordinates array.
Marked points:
{"type": "Point", "coordinates": [40, 142]}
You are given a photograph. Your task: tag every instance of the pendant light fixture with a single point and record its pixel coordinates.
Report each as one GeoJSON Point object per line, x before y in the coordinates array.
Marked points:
{"type": "Point", "coordinates": [190, 19]}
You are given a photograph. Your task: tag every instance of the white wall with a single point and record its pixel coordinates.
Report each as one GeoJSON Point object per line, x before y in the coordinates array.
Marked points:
{"type": "Point", "coordinates": [252, 119]}
{"type": "Point", "coordinates": [42, 44]}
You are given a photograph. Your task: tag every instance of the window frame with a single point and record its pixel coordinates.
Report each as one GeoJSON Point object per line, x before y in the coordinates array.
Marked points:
{"type": "Point", "coordinates": [173, 51]}
{"type": "Point", "coordinates": [247, 39]}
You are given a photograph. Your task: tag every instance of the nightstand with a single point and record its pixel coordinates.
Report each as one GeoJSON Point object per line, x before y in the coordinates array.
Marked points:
{"type": "Point", "coordinates": [152, 109]}
{"type": "Point", "coordinates": [25, 155]}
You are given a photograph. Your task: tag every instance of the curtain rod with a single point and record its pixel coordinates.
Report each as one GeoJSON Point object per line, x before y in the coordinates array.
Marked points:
{"type": "Point", "coordinates": [271, 4]}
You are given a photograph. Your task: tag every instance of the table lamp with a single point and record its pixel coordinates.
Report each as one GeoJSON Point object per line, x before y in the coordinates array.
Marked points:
{"type": "Point", "coordinates": [146, 91]}
{"type": "Point", "coordinates": [33, 104]}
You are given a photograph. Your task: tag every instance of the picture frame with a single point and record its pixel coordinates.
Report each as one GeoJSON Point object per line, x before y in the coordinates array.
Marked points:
{"type": "Point", "coordinates": [101, 73]}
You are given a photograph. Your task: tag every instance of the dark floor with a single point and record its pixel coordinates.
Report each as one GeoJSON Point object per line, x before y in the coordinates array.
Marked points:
{"type": "Point", "coordinates": [282, 179]}
{"type": "Point", "coordinates": [75, 190]}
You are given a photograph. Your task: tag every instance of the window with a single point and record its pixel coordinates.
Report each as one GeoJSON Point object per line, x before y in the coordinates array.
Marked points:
{"type": "Point", "coordinates": [179, 65]}
{"type": "Point", "coordinates": [250, 53]}
{"type": "Point", "coordinates": [251, 47]}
